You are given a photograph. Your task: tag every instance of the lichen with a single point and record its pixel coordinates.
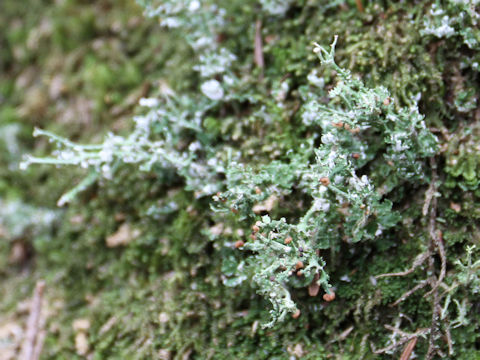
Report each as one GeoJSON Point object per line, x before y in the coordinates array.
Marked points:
{"type": "Point", "coordinates": [180, 288]}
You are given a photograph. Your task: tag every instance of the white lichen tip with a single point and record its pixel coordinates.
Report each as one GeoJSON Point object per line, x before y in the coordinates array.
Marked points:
{"type": "Point", "coordinates": [25, 163]}
{"type": "Point", "coordinates": [324, 55]}
{"type": "Point", "coordinates": [212, 89]}
{"type": "Point", "coordinates": [37, 132]}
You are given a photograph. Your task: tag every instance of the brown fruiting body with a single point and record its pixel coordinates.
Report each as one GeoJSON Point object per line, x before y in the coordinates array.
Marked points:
{"type": "Point", "coordinates": [296, 314]}
{"type": "Point", "coordinates": [239, 244]}
{"type": "Point", "coordinates": [288, 240]}
{"type": "Point", "coordinates": [329, 297]}
{"type": "Point", "coordinates": [455, 207]}
{"type": "Point", "coordinates": [325, 181]}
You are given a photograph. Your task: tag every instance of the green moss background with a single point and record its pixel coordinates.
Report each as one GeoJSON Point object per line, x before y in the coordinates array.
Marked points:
{"type": "Point", "coordinates": [79, 68]}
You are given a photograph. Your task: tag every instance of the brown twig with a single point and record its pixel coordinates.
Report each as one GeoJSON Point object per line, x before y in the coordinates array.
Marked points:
{"type": "Point", "coordinates": [37, 350]}
{"type": "Point", "coordinates": [429, 194]}
{"type": "Point", "coordinates": [436, 235]}
{"type": "Point", "coordinates": [419, 260]}
{"type": "Point", "coordinates": [420, 285]}
{"type": "Point", "coordinates": [438, 241]}
{"type": "Point", "coordinates": [404, 333]}
{"type": "Point", "coordinates": [449, 341]}
{"type": "Point", "coordinates": [258, 52]}
{"type": "Point", "coordinates": [405, 338]}
{"type": "Point", "coordinates": [359, 5]}
{"type": "Point", "coordinates": [31, 346]}
{"type": "Point", "coordinates": [432, 348]}
{"type": "Point", "coordinates": [407, 351]}
{"type": "Point", "coordinates": [434, 242]}
{"type": "Point", "coordinates": [42, 334]}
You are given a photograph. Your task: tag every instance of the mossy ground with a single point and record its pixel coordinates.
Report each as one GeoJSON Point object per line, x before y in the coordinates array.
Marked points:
{"type": "Point", "coordinates": [79, 68]}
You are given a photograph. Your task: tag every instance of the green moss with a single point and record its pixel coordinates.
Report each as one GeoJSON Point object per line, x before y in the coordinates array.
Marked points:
{"type": "Point", "coordinates": [462, 163]}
